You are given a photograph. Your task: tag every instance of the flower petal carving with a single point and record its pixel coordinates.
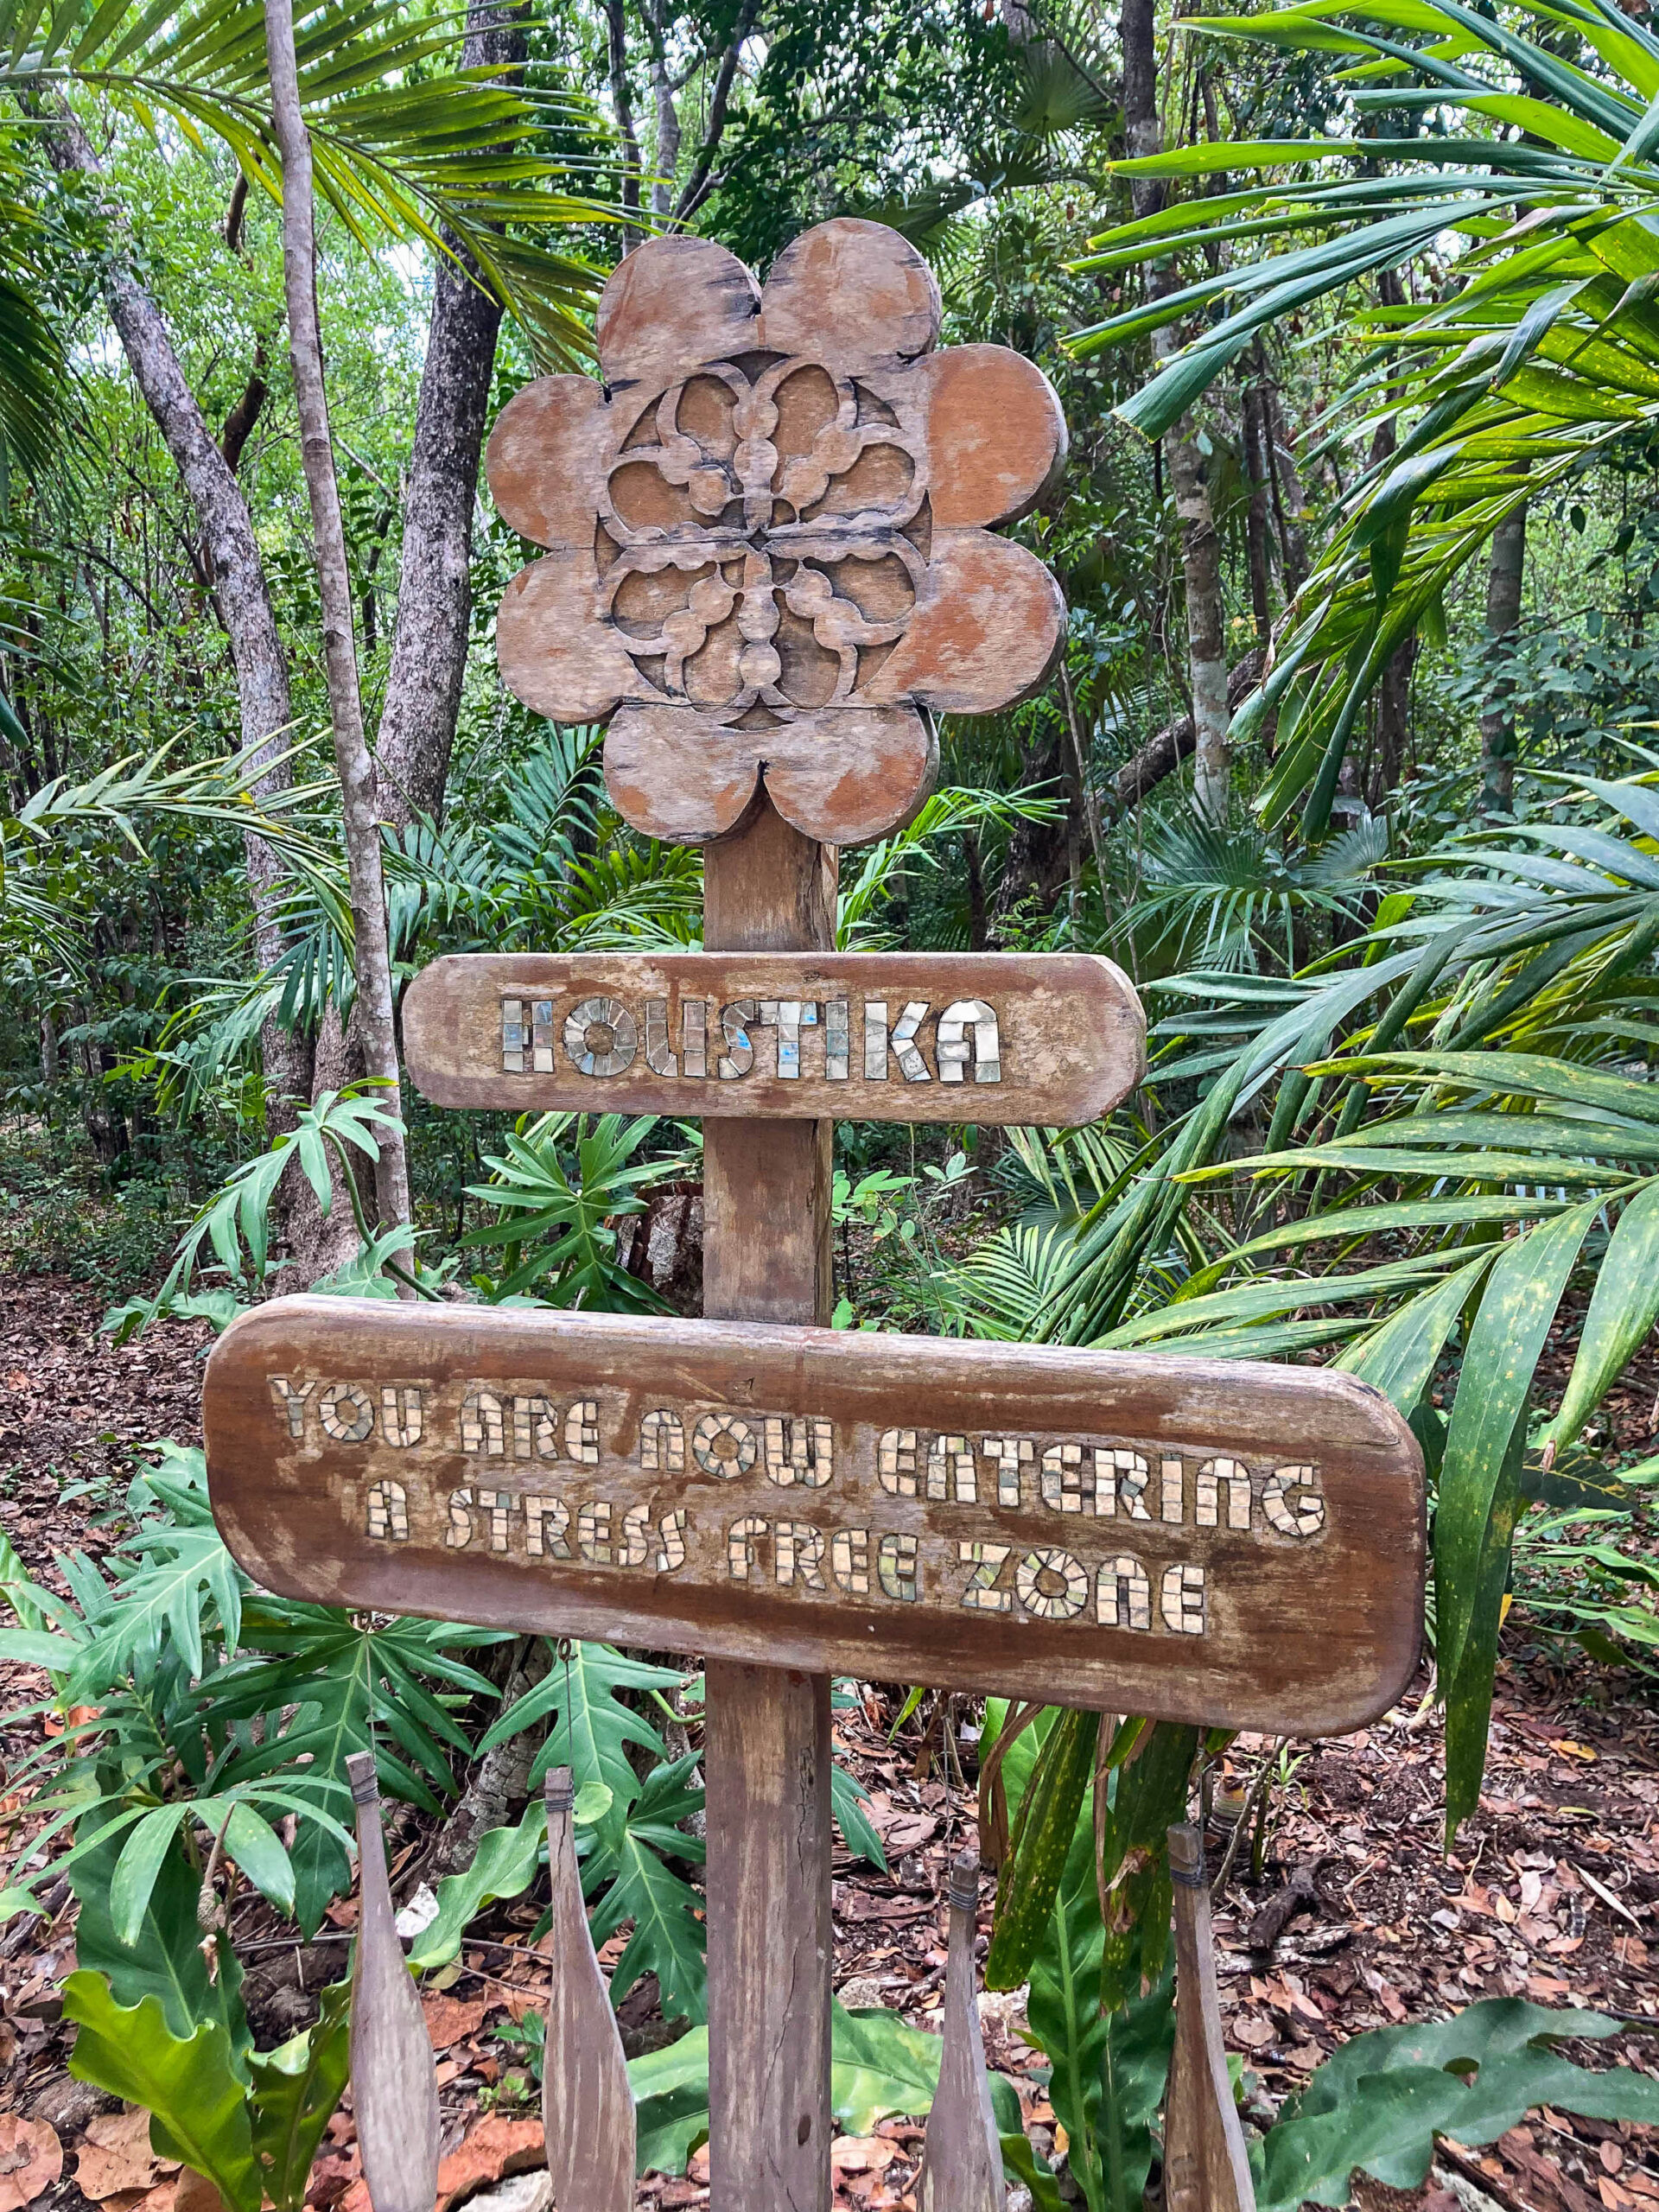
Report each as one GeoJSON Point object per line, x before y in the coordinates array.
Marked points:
{"type": "Point", "coordinates": [986, 635]}
{"type": "Point", "coordinates": [766, 534]}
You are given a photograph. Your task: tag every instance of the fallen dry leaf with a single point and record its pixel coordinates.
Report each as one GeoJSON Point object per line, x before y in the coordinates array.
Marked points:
{"type": "Point", "coordinates": [449, 2020]}
{"type": "Point", "coordinates": [496, 2147]}
{"type": "Point", "coordinates": [163, 2197]}
{"type": "Point", "coordinates": [115, 2158]}
{"type": "Point", "coordinates": [31, 2159]}
{"type": "Point", "coordinates": [195, 2193]}
{"type": "Point", "coordinates": [862, 2154]}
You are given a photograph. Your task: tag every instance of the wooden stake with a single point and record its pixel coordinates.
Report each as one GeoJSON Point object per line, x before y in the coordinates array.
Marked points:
{"type": "Point", "coordinates": [767, 1257]}
{"type": "Point", "coordinates": [587, 2102]}
{"type": "Point", "coordinates": [394, 2074]}
{"type": "Point", "coordinates": [1206, 2167]}
{"type": "Point", "coordinates": [962, 2167]}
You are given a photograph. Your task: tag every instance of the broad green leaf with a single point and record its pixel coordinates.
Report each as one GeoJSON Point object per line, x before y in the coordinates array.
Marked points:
{"type": "Point", "coordinates": [136, 1871]}
{"type": "Point", "coordinates": [296, 2091]}
{"type": "Point", "coordinates": [1623, 1308]}
{"type": "Point", "coordinates": [504, 1865]}
{"type": "Point", "coordinates": [1399, 1359]}
{"type": "Point", "coordinates": [255, 1847]}
{"type": "Point", "coordinates": [847, 1797]}
{"type": "Point", "coordinates": [1478, 1496]}
{"type": "Point", "coordinates": [1042, 1836]}
{"type": "Point", "coordinates": [1378, 2103]}
{"type": "Point", "coordinates": [198, 2108]}
{"type": "Point", "coordinates": [166, 1961]}
{"type": "Point", "coordinates": [1517, 1309]}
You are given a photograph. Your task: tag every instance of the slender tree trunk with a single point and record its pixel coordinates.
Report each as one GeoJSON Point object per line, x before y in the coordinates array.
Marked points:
{"type": "Point", "coordinates": [1258, 521]}
{"type": "Point", "coordinates": [1290, 499]}
{"type": "Point", "coordinates": [666, 160]}
{"type": "Point", "coordinates": [434, 591]}
{"type": "Point", "coordinates": [1503, 581]}
{"type": "Point", "coordinates": [1163, 753]}
{"type": "Point", "coordinates": [371, 956]}
{"type": "Point", "coordinates": [616, 24]}
{"type": "Point", "coordinates": [241, 591]}
{"type": "Point", "coordinates": [1206, 635]}
{"type": "Point", "coordinates": [1392, 721]}
{"type": "Point", "coordinates": [1394, 692]}
{"type": "Point", "coordinates": [702, 180]}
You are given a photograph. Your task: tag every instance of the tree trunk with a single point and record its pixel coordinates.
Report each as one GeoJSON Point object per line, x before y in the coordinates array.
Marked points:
{"type": "Point", "coordinates": [616, 23]}
{"type": "Point", "coordinates": [1163, 753]}
{"type": "Point", "coordinates": [434, 593]}
{"type": "Point", "coordinates": [1258, 520]}
{"type": "Point", "coordinates": [1393, 722]}
{"type": "Point", "coordinates": [1206, 637]}
{"type": "Point", "coordinates": [1503, 581]}
{"type": "Point", "coordinates": [241, 593]}
{"type": "Point", "coordinates": [371, 954]}
{"type": "Point", "coordinates": [1037, 850]}
{"type": "Point", "coordinates": [1290, 499]}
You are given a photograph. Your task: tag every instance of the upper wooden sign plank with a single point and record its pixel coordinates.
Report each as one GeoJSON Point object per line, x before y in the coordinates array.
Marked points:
{"type": "Point", "coordinates": [1052, 1038]}
{"type": "Point", "coordinates": [766, 534]}
{"type": "Point", "coordinates": [1197, 1540]}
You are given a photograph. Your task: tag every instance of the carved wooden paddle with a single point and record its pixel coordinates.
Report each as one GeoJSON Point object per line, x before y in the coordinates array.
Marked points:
{"type": "Point", "coordinates": [587, 2102]}
{"type": "Point", "coordinates": [962, 2165]}
{"type": "Point", "coordinates": [1206, 2166]}
{"type": "Point", "coordinates": [394, 2074]}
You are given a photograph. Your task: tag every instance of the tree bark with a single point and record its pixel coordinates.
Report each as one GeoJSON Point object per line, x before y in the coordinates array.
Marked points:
{"type": "Point", "coordinates": [434, 591]}
{"type": "Point", "coordinates": [701, 182]}
{"type": "Point", "coordinates": [1207, 636]}
{"type": "Point", "coordinates": [371, 953]}
{"type": "Point", "coordinates": [240, 589]}
{"type": "Point", "coordinates": [622, 107]}
{"type": "Point", "coordinates": [1503, 581]}
{"type": "Point", "coordinates": [1290, 499]}
{"type": "Point", "coordinates": [1258, 517]}
{"type": "Point", "coordinates": [1164, 752]}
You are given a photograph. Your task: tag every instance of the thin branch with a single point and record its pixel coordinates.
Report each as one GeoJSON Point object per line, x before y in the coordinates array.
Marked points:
{"type": "Point", "coordinates": [371, 950]}
{"type": "Point", "coordinates": [622, 104]}
{"type": "Point", "coordinates": [698, 185]}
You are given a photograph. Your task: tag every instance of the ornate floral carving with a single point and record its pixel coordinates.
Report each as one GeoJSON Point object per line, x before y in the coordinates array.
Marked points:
{"type": "Point", "coordinates": [767, 551]}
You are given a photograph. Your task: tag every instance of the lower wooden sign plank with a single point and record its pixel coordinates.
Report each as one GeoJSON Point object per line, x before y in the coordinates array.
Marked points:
{"type": "Point", "coordinates": [988, 1037]}
{"type": "Point", "coordinates": [1197, 1540]}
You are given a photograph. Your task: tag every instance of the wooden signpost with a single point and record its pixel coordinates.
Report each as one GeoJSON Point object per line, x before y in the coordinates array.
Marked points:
{"type": "Point", "coordinates": [1095, 1528]}
{"type": "Point", "coordinates": [768, 560]}
{"type": "Point", "coordinates": [988, 1037]}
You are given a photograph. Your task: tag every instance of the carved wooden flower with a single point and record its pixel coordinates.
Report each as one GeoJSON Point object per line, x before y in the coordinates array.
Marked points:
{"type": "Point", "coordinates": [765, 534]}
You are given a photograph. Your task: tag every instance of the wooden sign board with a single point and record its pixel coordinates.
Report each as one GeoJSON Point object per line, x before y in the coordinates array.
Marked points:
{"type": "Point", "coordinates": [1197, 1540]}
{"type": "Point", "coordinates": [1052, 1039]}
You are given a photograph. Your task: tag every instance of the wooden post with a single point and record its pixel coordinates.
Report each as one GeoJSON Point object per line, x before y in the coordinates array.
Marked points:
{"type": "Point", "coordinates": [962, 2166]}
{"type": "Point", "coordinates": [394, 2074]}
{"type": "Point", "coordinates": [767, 1257]}
{"type": "Point", "coordinates": [588, 2119]}
{"type": "Point", "coordinates": [1206, 2168]}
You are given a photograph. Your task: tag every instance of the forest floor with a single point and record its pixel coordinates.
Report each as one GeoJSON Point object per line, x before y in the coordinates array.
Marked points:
{"type": "Point", "coordinates": [1356, 1921]}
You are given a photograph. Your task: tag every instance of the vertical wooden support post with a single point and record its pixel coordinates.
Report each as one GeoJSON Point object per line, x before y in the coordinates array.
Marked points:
{"type": "Point", "coordinates": [588, 2116]}
{"type": "Point", "coordinates": [1206, 2166]}
{"type": "Point", "coordinates": [962, 2165]}
{"type": "Point", "coordinates": [394, 2074]}
{"type": "Point", "coordinates": [767, 1257]}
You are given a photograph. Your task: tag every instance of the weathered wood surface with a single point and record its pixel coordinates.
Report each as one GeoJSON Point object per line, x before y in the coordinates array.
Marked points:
{"type": "Point", "coordinates": [394, 2074]}
{"type": "Point", "coordinates": [588, 2117]}
{"type": "Point", "coordinates": [767, 1258]}
{"type": "Point", "coordinates": [1047, 1038]}
{"type": "Point", "coordinates": [961, 2163]}
{"type": "Point", "coordinates": [1207, 2167]}
{"type": "Point", "coordinates": [768, 534]}
{"type": "Point", "coordinates": [1205, 1541]}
